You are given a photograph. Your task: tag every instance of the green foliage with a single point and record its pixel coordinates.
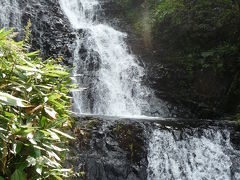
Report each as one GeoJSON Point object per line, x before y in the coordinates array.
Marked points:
{"type": "Point", "coordinates": [166, 8]}
{"type": "Point", "coordinates": [27, 34]}
{"type": "Point", "coordinates": [34, 113]}
{"type": "Point", "coordinates": [204, 33]}
{"type": "Point", "coordinates": [205, 36]}
{"type": "Point", "coordinates": [200, 39]}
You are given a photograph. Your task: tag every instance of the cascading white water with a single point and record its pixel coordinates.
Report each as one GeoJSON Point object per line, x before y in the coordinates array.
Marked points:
{"type": "Point", "coordinates": [10, 15]}
{"type": "Point", "coordinates": [108, 70]}
{"type": "Point", "coordinates": [194, 157]}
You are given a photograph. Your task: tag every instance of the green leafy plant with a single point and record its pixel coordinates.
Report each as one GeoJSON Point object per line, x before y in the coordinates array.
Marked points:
{"type": "Point", "coordinates": [167, 7]}
{"type": "Point", "coordinates": [34, 113]}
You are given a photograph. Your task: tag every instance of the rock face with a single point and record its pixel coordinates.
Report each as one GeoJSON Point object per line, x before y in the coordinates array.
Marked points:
{"type": "Point", "coordinates": [109, 151]}
{"type": "Point", "coordinates": [51, 31]}
{"type": "Point", "coordinates": [108, 148]}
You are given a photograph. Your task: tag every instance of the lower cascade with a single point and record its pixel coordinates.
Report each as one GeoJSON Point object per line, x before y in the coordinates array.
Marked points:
{"type": "Point", "coordinates": [163, 149]}
{"type": "Point", "coordinates": [202, 155]}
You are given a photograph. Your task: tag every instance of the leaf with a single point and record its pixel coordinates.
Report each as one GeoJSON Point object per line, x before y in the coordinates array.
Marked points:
{"type": "Point", "coordinates": [7, 99]}
{"type": "Point", "coordinates": [27, 68]}
{"type": "Point", "coordinates": [57, 148]}
{"type": "Point", "coordinates": [56, 73]}
{"type": "Point", "coordinates": [53, 135]}
{"type": "Point", "coordinates": [31, 161]}
{"type": "Point", "coordinates": [39, 148]}
{"type": "Point", "coordinates": [20, 43]}
{"type": "Point", "coordinates": [53, 147]}
{"type": "Point", "coordinates": [1, 129]}
{"type": "Point", "coordinates": [27, 62]}
{"type": "Point", "coordinates": [51, 162]}
{"type": "Point", "coordinates": [19, 175]}
{"type": "Point", "coordinates": [8, 114]}
{"type": "Point", "coordinates": [45, 132]}
{"type": "Point", "coordinates": [2, 30]}
{"type": "Point", "coordinates": [3, 118]}
{"type": "Point", "coordinates": [50, 112]}
{"type": "Point", "coordinates": [57, 123]}
{"type": "Point", "coordinates": [4, 34]}
{"type": "Point", "coordinates": [19, 147]}
{"type": "Point", "coordinates": [22, 164]}
{"type": "Point", "coordinates": [14, 149]}
{"type": "Point", "coordinates": [1, 178]}
{"type": "Point", "coordinates": [30, 138]}
{"type": "Point", "coordinates": [32, 110]}
{"type": "Point", "coordinates": [63, 134]}
{"type": "Point", "coordinates": [57, 177]}
{"type": "Point", "coordinates": [25, 130]}
{"type": "Point", "coordinates": [63, 170]}
{"type": "Point", "coordinates": [45, 87]}
{"type": "Point", "coordinates": [43, 121]}
{"type": "Point", "coordinates": [53, 155]}
{"type": "Point", "coordinates": [39, 170]}
{"type": "Point", "coordinates": [33, 54]}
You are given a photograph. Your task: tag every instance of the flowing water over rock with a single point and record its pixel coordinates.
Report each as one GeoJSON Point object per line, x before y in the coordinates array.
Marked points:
{"type": "Point", "coordinates": [207, 154]}
{"type": "Point", "coordinates": [10, 15]}
{"type": "Point", "coordinates": [156, 149]}
{"type": "Point", "coordinates": [104, 65]}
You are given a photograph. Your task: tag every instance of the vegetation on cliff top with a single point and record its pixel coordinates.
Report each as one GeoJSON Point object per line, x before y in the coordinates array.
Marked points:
{"type": "Point", "coordinates": [200, 39]}
{"type": "Point", "coordinates": [34, 113]}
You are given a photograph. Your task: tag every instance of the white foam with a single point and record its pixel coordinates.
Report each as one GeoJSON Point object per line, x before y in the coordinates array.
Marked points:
{"type": "Point", "coordinates": [10, 16]}
{"type": "Point", "coordinates": [191, 157]}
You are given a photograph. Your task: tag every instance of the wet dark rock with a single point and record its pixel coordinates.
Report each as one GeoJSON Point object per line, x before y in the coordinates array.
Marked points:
{"type": "Point", "coordinates": [51, 31]}
{"type": "Point", "coordinates": [112, 151]}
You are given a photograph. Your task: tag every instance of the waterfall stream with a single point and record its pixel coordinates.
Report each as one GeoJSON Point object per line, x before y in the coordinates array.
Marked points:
{"type": "Point", "coordinates": [104, 65]}
{"type": "Point", "coordinates": [201, 155]}
{"type": "Point", "coordinates": [10, 15]}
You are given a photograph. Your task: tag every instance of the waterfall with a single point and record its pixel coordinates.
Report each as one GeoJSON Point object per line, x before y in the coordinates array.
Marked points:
{"type": "Point", "coordinates": [111, 81]}
{"type": "Point", "coordinates": [10, 15]}
{"type": "Point", "coordinates": [201, 155]}
{"type": "Point", "coordinates": [104, 65]}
